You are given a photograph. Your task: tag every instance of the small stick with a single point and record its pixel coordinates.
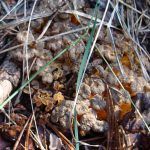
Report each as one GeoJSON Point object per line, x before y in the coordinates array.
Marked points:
{"type": "Point", "coordinates": [19, 138]}
{"type": "Point", "coordinates": [64, 139]}
{"type": "Point", "coordinates": [28, 134]}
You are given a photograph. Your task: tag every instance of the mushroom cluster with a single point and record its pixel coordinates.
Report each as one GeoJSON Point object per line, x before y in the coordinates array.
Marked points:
{"type": "Point", "coordinates": [92, 103]}
{"type": "Point", "coordinates": [133, 82]}
{"type": "Point", "coordinates": [72, 58]}
{"type": "Point", "coordinates": [87, 117]}
{"type": "Point", "coordinates": [41, 52]}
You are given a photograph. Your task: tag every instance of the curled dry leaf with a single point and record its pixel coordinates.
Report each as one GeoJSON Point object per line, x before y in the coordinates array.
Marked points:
{"type": "Point", "coordinates": [58, 97]}
{"type": "Point", "coordinates": [43, 98]}
{"type": "Point", "coordinates": [58, 86]}
{"type": "Point", "coordinates": [55, 142]}
{"type": "Point", "coordinates": [10, 132]}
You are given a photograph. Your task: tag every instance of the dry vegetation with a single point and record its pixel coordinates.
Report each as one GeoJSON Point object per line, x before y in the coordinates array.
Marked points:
{"type": "Point", "coordinates": [74, 74]}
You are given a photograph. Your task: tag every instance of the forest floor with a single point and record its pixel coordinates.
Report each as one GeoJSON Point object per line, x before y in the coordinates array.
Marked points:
{"type": "Point", "coordinates": [74, 74]}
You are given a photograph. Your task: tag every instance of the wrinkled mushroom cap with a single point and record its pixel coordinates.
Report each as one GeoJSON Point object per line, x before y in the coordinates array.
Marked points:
{"type": "Point", "coordinates": [22, 37]}
{"type": "Point", "coordinates": [61, 114]}
{"type": "Point", "coordinates": [97, 86]}
{"type": "Point", "coordinates": [87, 121]}
{"type": "Point", "coordinates": [100, 126]}
{"type": "Point", "coordinates": [98, 103]}
{"type": "Point", "coordinates": [85, 90]}
{"type": "Point", "coordinates": [82, 107]}
{"type": "Point", "coordinates": [138, 85]}
{"type": "Point", "coordinates": [108, 52]}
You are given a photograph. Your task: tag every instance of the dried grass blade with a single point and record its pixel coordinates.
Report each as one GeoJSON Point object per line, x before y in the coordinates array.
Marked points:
{"type": "Point", "coordinates": [64, 139]}
{"type": "Point", "coordinates": [28, 133]}
{"type": "Point", "coordinates": [21, 133]}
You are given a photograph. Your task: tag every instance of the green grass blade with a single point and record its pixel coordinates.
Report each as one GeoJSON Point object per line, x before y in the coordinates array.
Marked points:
{"type": "Point", "coordinates": [81, 70]}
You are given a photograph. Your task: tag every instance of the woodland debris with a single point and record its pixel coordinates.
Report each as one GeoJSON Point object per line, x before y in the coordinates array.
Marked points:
{"type": "Point", "coordinates": [53, 90]}
{"type": "Point", "coordinates": [9, 78]}
{"type": "Point", "coordinates": [88, 118]}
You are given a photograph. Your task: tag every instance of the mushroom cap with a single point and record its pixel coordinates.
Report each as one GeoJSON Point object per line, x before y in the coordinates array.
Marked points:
{"type": "Point", "coordinates": [138, 85]}
{"type": "Point", "coordinates": [87, 121]}
{"type": "Point", "coordinates": [85, 90]}
{"type": "Point", "coordinates": [65, 121]}
{"type": "Point", "coordinates": [22, 37]}
{"type": "Point", "coordinates": [88, 117]}
{"type": "Point", "coordinates": [55, 115]}
{"type": "Point", "coordinates": [82, 107]}
{"type": "Point", "coordinates": [108, 52]}
{"type": "Point", "coordinates": [98, 103]}
{"type": "Point", "coordinates": [58, 97]}
{"type": "Point", "coordinates": [61, 113]}
{"type": "Point", "coordinates": [100, 126]}
{"type": "Point", "coordinates": [97, 86]}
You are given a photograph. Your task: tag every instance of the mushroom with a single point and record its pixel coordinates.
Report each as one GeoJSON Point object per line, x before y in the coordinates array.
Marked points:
{"type": "Point", "coordinates": [43, 98]}
{"type": "Point", "coordinates": [63, 111]}
{"type": "Point", "coordinates": [61, 114]}
{"type": "Point", "coordinates": [58, 97]}
{"type": "Point", "coordinates": [22, 37]}
{"type": "Point", "coordinates": [108, 52]}
{"type": "Point", "coordinates": [89, 122]}
{"type": "Point", "coordinates": [85, 90]}
{"type": "Point", "coordinates": [100, 126]}
{"type": "Point", "coordinates": [97, 86]}
{"type": "Point", "coordinates": [58, 86]}
{"type": "Point", "coordinates": [54, 71]}
{"type": "Point", "coordinates": [82, 107]}
{"type": "Point", "coordinates": [86, 116]}
{"type": "Point", "coordinates": [137, 85]}
{"type": "Point", "coordinates": [99, 105]}
{"type": "Point", "coordinates": [72, 57]}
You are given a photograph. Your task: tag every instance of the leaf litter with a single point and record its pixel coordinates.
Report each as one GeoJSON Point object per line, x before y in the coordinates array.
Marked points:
{"type": "Point", "coordinates": [120, 49]}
